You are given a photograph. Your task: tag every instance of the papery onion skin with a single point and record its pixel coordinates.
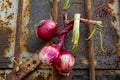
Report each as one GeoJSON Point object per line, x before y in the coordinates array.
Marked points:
{"type": "Point", "coordinates": [46, 29]}
{"type": "Point", "coordinates": [48, 55]}
{"type": "Point", "coordinates": [65, 62]}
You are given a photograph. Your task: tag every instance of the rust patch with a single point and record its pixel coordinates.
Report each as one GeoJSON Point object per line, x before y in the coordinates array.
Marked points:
{"type": "Point", "coordinates": [114, 19]}
{"type": "Point", "coordinates": [25, 68]}
{"type": "Point", "coordinates": [5, 4]}
{"type": "Point", "coordinates": [9, 3]}
{"type": "Point", "coordinates": [26, 9]}
{"type": "Point", "coordinates": [10, 16]}
{"type": "Point", "coordinates": [2, 75]}
{"type": "Point", "coordinates": [5, 39]}
{"type": "Point", "coordinates": [118, 47]}
{"type": "Point", "coordinates": [111, 1]}
{"type": "Point", "coordinates": [3, 23]}
{"type": "Point", "coordinates": [2, 6]}
{"type": "Point", "coordinates": [39, 75]}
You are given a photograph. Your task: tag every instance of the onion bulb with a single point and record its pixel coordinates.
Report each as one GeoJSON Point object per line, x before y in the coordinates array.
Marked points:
{"type": "Point", "coordinates": [46, 29]}
{"type": "Point", "coordinates": [48, 55]}
{"type": "Point", "coordinates": [64, 62]}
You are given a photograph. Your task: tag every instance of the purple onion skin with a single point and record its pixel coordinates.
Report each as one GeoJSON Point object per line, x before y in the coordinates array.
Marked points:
{"type": "Point", "coordinates": [65, 62]}
{"type": "Point", "coordinates": [48, 54]}
{"type": "Point", "coordinates": [46, 29]}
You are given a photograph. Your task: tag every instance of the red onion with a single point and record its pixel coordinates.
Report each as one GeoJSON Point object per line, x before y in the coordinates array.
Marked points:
{"type": "Point", "coordinates": [64, 62]}
{"type": "Point", "coordinates": [46, 29]}
{"type": "Point", "coordinates": [48, 54]}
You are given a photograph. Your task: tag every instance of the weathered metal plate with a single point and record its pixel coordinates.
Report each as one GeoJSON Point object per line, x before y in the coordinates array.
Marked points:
{"type": "Point", "coordinates": [100, 75]}
{"type": "Point", "coordinates": [34, 12]}
{"type": "Point", "coordinates": [105, 12]}
{"type": "Point", "coordinates": [8, 17]}
{"type": "Point", "coordinates": [75, 75]}
{"type": "Point", "coordinates": [108, 11]}
{"type": "Point", "coordinates": [32, 15]}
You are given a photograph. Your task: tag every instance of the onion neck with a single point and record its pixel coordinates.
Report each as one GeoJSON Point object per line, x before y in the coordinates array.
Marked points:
{"type": "Point", "coordinates": [61, 41]}
{"type": "Point", "coordinates": [65, 30]}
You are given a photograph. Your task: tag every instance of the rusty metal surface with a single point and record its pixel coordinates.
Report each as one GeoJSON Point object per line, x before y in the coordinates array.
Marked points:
{"type": "Point", "coordinates": [4, 73]}
{"type": "Point", "coordinates": [8, 16]}
{"type": "Point", "coordinates": [38, 11]}
{"type": "Point", "coordinates": [100, 75]}
{"type": "Point", "coordinates": [39, 75]}
{"type": "Point", "coordinates": [101, 11]}
{"type": "Point", "coordinates": [75, 75]}
{"type": "Point", "coordinates": [105, 12]}
{"type": "Point", "coordinates": [25, 28]}
{"type": "Point", "coordinates": [108, 11]}
{"type": "Point", "coordinates": [29, 43]}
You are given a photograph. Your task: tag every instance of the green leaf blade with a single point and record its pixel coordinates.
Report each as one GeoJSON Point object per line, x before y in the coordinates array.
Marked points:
{"type": "Point", "coordinates": [92, 33]}
{"type": "Point", "coordinates": [66, 4]}
{"type": "Point", "coordinates": [101, 42]}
